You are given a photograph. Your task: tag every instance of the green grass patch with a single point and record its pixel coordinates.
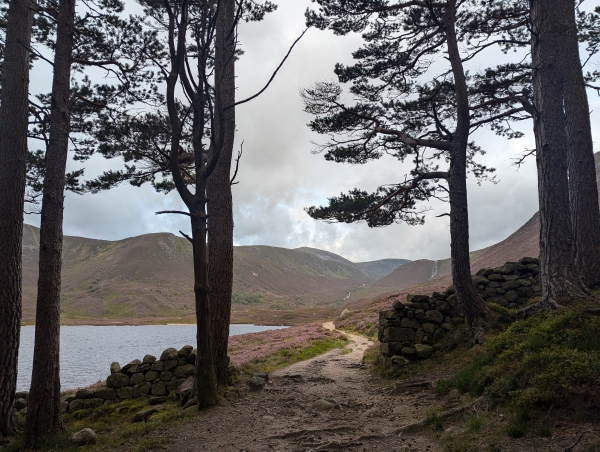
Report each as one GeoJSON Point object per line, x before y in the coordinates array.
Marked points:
{"type": "Point", "coordinates": [537, 363]}
{"type": "Point", "coordinates": [245, 298]}
{"type": "Point", "coordinates": [286, 357]}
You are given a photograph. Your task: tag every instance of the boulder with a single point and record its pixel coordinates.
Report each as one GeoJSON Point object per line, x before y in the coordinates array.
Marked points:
{"type": "Point", "coordinates": [511, 285]}
{"type": "Point", "coordinates": [132, 367]}
{"type": "Point", "coordinates": [428, 328]}
{"type": "Point", "coordinates": [22, 395]}
{"type": "Point", "coordinates": [390, 314]}
{"type": "Point", "coordinates": [390, 348]}
{"type": "Point", "coordinates": [395, 334]}
{"type": "Point", "coordinates": [495, 277]}
{"type": "Point", "coordinates": [423, 351]}
{"type": "Point", "coordinates": [144, 368]}
{"type": "Point", "coordinates": [158, 366]}
{"type": "Point", "coordinates": [136, 379]}
{"type": "Point", "coordinates": [169, 354]}
{"type": "Point", "coordinates": [450, 289]}
{"type": "Point", "coordinates": [418, 298]}
{"type": "Point", "coordinates": [409, 323]}
{"type": "Point", "coordinates": [191, 359]}
{"type": "Point", "coordinates": [511, 296]}
{"type": "Point", "coordinates": [174, 385]}
{"type": "Point", "coordinates": [485, 271]}
{"type": "Point", "coordinates": [157, 400]}
{"type": "Point", "coordinates": [257, 384]}
{"type": "Point", "coordinates": [185, 388]}
{"type": "Point", "coordinates": [165, 376]}
{"type": "Point", "coordinates": [115, 367]}
{"type": "Point", "coordinates": [84, 394]}
{"type": "Point", "coordinates": [434, 316]}
{"type": "Point", "coordinates": [479, 279]}
{"type": "Point", "coordinates": [159, 389]}
{"type": "Point", "coordinates": [105, 393]}
{"type": "Point", "coordinates": [83, 437]}
{"type": "Point", "coordinates": [141, 389]}
{"type": "Point", "coordinates": [151, 375]}
{"type": "Point", "coordinates": [142, 416]}
{"type": "Point", "coordinates": [419, 314]}
{"type": "Point", "coordinates": [446, 326]}
{"type": "Point", "coordinates": [399, 361]}
{"type": "Point", "coordinates": [529, 260]}
{"type": "Point", "coordinates": [438, 335]}
{"type": "Point", "coordinates": [185, 371]}
{"type": "Point", "coordinates": [149, 359]}
{"type": "Point", "coordinates": [170, 364]}
{"type": "Point", "coordinates": [490, 292]}
{"type": "Point", "coordinates": [526, 292]}
{"type": "Point", "coordinates": [125, 392]}
{"type": "Point", "coordinates": [20, 404]}
{"type": "Point", "coordinates": [407, 351]}
{"type": "Point", "coordinates": [452, 300]}
{"type": "Point", "coordinates": [117, 380]}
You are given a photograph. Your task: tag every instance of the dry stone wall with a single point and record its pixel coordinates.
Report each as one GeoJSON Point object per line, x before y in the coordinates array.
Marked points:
{"type": "Point", "coordinates": [148, 377]}
{"type": "Point", "coordinates": [414, 327]}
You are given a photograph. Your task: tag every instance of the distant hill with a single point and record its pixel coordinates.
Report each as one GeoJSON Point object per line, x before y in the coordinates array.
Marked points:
{"type": "Point", "coordinates": [149, 278]}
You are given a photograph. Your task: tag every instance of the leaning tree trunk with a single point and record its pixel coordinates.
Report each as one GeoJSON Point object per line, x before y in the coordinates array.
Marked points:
{"type": "Point", "coordinates": [43, 410]}
{"type": "Point", "coordinates": [206, 383]}
{"type": "Point", "coordinates": [470, 301]}
{"type": "Point", "coordinates": [557, 254]}
{"type": "Point", "coordinates": [220, 207]}
{"type": "Point", "coordinates": [13, 154]}
{"type": "Point", "coordinates": [583, 191]}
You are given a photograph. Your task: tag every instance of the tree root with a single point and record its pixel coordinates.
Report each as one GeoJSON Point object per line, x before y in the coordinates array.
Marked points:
{"type": "Point", "coordinates": [476, 334]}
{"type": "Point", "coordinates": [444, 415]}
{"type": "Point", "coordinates": [536, 308]}
{"type": "Point", "coordinates": [192, 402]}
{"type": "Point", "coordinates": [401, 388]}
{"type": "Point", "coordinates": [572, 446]}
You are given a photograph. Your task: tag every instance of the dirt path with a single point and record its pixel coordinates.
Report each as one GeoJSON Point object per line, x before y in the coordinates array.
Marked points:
{"type": "Point", "coordinates": [325, 403]}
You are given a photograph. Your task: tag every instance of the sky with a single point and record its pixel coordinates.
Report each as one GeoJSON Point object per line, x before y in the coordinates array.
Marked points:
{"type": "Point", "coordinates": [280, 175]}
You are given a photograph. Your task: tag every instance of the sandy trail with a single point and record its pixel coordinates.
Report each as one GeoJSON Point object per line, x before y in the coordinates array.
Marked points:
{"type": "Point", "coordinates": [282, 417]}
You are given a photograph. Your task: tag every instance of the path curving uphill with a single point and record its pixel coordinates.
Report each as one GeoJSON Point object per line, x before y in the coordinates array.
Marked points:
{"type": "Point", "coordinates": [325, 403]}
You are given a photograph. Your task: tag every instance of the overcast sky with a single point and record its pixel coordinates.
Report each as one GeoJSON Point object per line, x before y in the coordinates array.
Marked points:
{"type": "Point", "coordinates": [279, 176]}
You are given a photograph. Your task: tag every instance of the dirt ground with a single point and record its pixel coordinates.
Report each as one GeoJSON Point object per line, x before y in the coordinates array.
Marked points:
{"type": "Point", "coordinates": [283, 418]}
{"type": "Point", "coordinates": [359, 414]}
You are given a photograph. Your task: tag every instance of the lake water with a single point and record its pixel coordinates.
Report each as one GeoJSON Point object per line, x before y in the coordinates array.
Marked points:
{"type": "Point", "coordinates": [87, 351]}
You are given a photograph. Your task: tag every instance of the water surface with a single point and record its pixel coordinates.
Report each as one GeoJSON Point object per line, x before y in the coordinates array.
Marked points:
{"type": "Point", "coordinates": [87, 351]}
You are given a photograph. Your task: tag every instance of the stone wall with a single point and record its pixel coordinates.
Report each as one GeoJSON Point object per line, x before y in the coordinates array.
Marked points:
{"type": "Point", "coordinates": [148, 377]}
{"type": "Point", "coordinates": [413, 329]}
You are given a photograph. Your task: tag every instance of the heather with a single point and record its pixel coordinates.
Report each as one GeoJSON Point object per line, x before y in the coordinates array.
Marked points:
{"type": "Point", "coordinates": [277, 348]}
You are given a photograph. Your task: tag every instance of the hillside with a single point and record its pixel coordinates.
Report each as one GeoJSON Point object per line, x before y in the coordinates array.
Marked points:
{"type": "Point", "coordinates": [149, 278]}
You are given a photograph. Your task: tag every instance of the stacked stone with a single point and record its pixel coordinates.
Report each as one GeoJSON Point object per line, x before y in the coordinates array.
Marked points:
{"type": "Point", "coordinates": [413, 329]}
{"type": "Point", "coordinates": [151, 376]}
{"type": "Point", "coordinates": [510, 285]}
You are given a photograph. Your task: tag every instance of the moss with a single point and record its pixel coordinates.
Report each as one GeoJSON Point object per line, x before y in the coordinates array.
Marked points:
{"type": "Point", "coordinates": [537, 363]}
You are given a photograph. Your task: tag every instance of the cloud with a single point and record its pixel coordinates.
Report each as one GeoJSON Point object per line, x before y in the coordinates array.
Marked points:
{"type": "Point", "coordinates": [279, 176]}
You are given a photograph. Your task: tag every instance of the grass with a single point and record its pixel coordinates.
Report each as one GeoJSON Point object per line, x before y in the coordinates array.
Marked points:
{"type": "Point", "coordinates": [285, 357]}
{"type": "Point", "coordinates": [550, 360]}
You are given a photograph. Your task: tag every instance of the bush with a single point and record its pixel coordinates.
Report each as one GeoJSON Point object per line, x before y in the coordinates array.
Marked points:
{"type": "Point", "coordinates": [244, 298]}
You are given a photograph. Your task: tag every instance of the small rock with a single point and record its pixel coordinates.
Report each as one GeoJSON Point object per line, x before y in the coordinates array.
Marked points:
{"type": "Point", "coordinates": [151, 375]}
{"type": "Point", "coordinates": [399, 361]}
{"type": "Point", "coordinates": [169, 354]}
{"type": "Point", "coordinates": [185, 351]}
{"type": "Point", "coordinates": [117, 380]}
{"type": "Point", "coordinates": [170, 364]}
{"type": "Point", "coordinates": [157, 400]}
{"type": "Point", "coordinates": [423, 351]}
{"type": "Point", "coordinates": [402, 409]}
{"type": "Point", "coordinates": [257, 384]}
{"type": "Point", "coordinates": [185, 371]}
{"type": "Point", "coordinates": [158, 366]}
{"type": "Point", "coordinates": [115, 367]}
{"type": "Point", "coordinates": [261, 375]}
{"type": "Point", "coordinates": [84, 437]}
{"type": "Point", "coordinates": [142, 416]}
{"type": "Point", "coordinates": [268, 418]}
{"type": "Point", "coordinates": [132, 367]}
{"type": "Point", "coordinates": [20, 404]}
{"type": "Point", "coordinates": [76, 405]}
{"type": "Point", "coordinates": [323, 405]}
{"type": "Point", "coordinates": [165, 376]}
{"type": "Point", "coordinates": [136, 379]}
{"type": "Point", "coordinates": [148, 359]}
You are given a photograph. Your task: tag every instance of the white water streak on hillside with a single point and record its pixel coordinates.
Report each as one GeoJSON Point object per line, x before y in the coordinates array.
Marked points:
{"type": "Point", "coordinates": [434, 270]}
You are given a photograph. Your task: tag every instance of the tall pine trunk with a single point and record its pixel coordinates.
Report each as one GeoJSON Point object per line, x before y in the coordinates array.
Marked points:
{"type": "Point", "coordinates": [583, 191]}
{"type": "Point", "coordinates": [557, 251]}
{"type": "Point", "coordinates": [13, 155]}
{"type": "Point", "coordinates": [220, 207]}
{"type": "Point", "coordinates": [43, 411]}
{"type": "Point", "coordinates": [470, 301]}
{"type": "Point", "coordinates": [206, 383]}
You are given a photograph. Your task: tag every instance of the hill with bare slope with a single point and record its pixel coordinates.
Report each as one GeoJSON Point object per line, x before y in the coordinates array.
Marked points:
{"type": "Point", "coordinates": [149, 279]}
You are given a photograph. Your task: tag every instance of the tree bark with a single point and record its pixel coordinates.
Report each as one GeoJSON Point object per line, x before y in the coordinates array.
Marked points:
{"type": "Point", "coordinates": [583, 191]}
{"type": "Point", "coordinates": [220, 206]}
{"type": "Point", "coordinates": [43, 411]}
{"type": "Point", "coordinates": [206, 382]}
{"type": "Point", "coordinates": [13, 154]}
{"type": "Point", "coordinates": [470, 301]}
{"type": "Point", "coordinates": [557, 253]}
